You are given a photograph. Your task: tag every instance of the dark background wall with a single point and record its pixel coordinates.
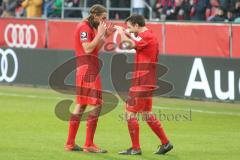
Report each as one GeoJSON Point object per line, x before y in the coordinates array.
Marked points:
{"type": "Point", "coordinates": [36, 65]}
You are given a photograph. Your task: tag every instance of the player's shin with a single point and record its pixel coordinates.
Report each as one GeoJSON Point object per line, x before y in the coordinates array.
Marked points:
{"type": "Point", "coordinates": [157, 128]}
{"type": "Point", "coordinates": [74, 125]}
{"type": "Point", "coordinates": [92, 125]}
{"type": "Point", "coordinates": [73, 128]}
{"type": "Point", "coordinates": [133, 128]}
{"type": "Point", "coordinates": [91, 129]}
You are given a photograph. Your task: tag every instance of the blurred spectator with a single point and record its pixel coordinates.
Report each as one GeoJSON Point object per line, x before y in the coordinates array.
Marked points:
{"type": "Point", "coordinates": [229, 15]}
{"type": "Point", "coordinates": [72, 13]}
{"type": "Point", "coordinates": [157, 9]}
{"type": "Point", "coordinates": [236, 10]}
{"type": "Point", "coordinates": [180, 10]}
{"type": "Point", "coordinates": [43, 4]}
{"type": "Point", "coordinates": [33, 8]}
{"type": "Point", "coordinates": [8, 8]}
{"type": "Point", "coordinates": [212, 9]}
{"type": "Point", "coordinates": [185, 10]}
{"type": "Point", "coordinates": [175, 12]}
{"type": "Point", "coordinates": [220, 15]}
{"type": "Point", "coordinates": [1, 7]}
{"type": "Point", "coordinates": [198, 8]}
{"type": "Point", "coordinates": [164, 9]}
{"type": "Point", "coordinates": [56, 9]}
{"type": "Point", "coordinates": [20, 11]}
{"type": "Point", "coordinates": [119, 4]}
{"type": "Point", "coordinates": [48, 7]}
{"type": "Point", "coordinates": [138, 6]}
{"type": "Point", "coordinates": [225, 4]}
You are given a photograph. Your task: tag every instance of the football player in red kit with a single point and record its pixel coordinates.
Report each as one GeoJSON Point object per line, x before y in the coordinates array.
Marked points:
{"type": "Point", "coordinates": [146, 45]}
{"type": "Point", "coordinates": [89, 38]}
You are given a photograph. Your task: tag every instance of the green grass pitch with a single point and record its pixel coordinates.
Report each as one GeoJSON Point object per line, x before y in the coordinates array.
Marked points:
{"type": "Point", "coordinates": [29, 129]}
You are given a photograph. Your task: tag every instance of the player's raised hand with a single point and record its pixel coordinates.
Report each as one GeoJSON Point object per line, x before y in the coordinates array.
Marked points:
{"type": "Point", "coordinates": [120, 29]}
{"type": "Point", "coordinates": [110, 29]}
{"type": "Point", "coordinates": [102, 27]}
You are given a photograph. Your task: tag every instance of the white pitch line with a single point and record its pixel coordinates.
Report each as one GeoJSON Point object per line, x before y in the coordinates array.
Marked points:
{"type": "Point", "coordinates": [196, 110]}
{"type": "Point", "coordinates": [29, 96]}
{"type": "Point", "coordinates": [154, 106]}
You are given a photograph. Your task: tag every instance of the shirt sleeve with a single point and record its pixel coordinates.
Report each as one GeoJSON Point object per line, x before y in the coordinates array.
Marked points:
{"type": "Point", "coordinates": [85, 34]}
{"type": "Point", "coordinates": [140, 42]}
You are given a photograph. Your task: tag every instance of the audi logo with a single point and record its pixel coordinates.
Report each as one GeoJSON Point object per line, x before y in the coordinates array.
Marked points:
{"type": "Point", "coordinates": [6, 57]}
{"type": "Point", "coordinates": [21, 36]}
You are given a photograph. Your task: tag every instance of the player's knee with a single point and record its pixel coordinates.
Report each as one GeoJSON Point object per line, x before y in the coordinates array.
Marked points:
{"type": "Point", "coordinates": [79, 109]}
{"type": "Point", "coordinates": [96, 111]}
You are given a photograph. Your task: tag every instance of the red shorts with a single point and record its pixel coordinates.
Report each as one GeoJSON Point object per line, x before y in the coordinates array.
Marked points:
{"type": "Point", "coordinates": [142, 103]}
{"type": "Point", "coordinates": [89, 90]}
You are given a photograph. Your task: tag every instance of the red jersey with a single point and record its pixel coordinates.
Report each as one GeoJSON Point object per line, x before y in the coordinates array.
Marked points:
{"type": "Point", "coordinates": [145, 76]}
{"type": "Point", "coordinates": [87, 74]}
{"type": "Point", "coordinates": [146, 52]}
{"type": "Point", "coordinates": [85, 33]}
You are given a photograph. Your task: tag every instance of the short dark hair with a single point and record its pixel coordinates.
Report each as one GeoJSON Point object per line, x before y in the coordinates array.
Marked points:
{"type": "Point", "coordinates": [136, 19]}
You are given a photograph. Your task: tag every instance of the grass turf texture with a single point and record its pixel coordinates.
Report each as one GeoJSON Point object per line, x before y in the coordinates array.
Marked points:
{"type": "Point", "coordinates": [31, 131]}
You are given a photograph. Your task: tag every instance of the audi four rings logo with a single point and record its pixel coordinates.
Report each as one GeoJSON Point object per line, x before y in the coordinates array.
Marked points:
{"type": "Point", "coordinates": [4, 65]}
{"type": "Point", "coordinates": [21, 36]}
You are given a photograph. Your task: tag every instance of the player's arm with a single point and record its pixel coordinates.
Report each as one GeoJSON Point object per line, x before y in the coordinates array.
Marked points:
{"type": "Point", "coordinates": [130, 41]}
{"type": "Point", "coordinates": [125, 38]}
{"type": "Point", "coordinates": [98, 39]}
{"type": "Point", "coordinates": [110, 29]}
{"type": "Point", "coordinates": [101, 43]}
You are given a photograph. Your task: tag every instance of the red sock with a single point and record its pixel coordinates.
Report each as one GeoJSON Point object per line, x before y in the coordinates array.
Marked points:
{"type": "Point", "coordinates": [156, 127]}
{"type": "Point", "coordinates": [90, 129]}
{"type": "Point", "coordinates": [73, 128]}
{"type": "Point", "coordinates": [133, 128]}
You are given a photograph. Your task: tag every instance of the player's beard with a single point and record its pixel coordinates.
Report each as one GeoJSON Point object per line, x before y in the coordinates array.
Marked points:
{"type": "Point", "coordinates": [95, 25]}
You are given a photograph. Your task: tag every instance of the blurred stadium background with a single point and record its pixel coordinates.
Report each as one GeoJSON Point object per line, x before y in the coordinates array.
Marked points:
{"type": "Point", "coordinates": [199, 44]}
